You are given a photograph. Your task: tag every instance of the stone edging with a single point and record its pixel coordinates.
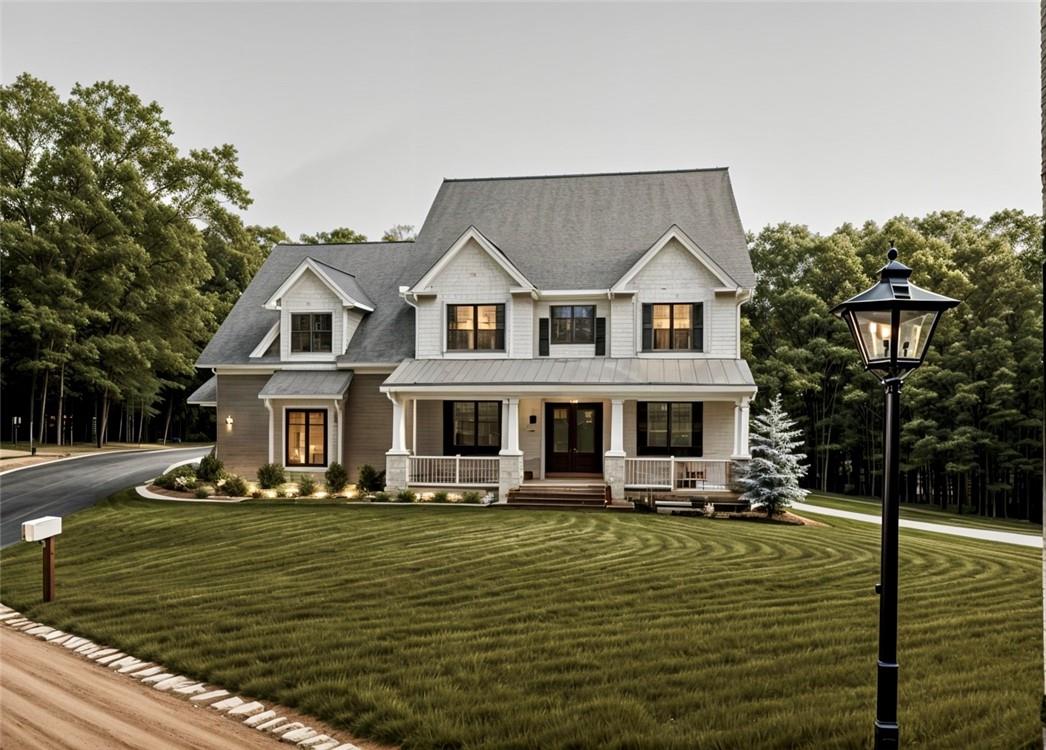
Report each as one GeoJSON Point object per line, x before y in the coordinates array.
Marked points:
{"type": "Point", "coordinates": [144, 491]}
{"type": "Point", "coordinates": [252, 713]}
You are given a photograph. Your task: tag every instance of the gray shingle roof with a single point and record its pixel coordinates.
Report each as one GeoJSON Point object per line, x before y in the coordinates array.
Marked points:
{"type": "Point", "coordinates": [586, 231]}
{"type": "Point", "coordinates": [556, 371]}
{"type": "Point", "coordinates": [319, 383]}
{"type": "Point", "coordinates": [385, 335]}
{"type": "Point", "coordinates": [206, 394]}
{"type": "Point", "coordinates": [347, 283]}
{"type": "Point", "coordinates": [569, 231]}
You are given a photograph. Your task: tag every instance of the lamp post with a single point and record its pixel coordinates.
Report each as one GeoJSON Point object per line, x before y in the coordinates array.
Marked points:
{"type": "Point", "coordinates": [892, 324]}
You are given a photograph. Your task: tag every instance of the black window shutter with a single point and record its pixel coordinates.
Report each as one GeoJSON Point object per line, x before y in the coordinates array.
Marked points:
{"type": "Point", "coordinates": [500, 323]}
{"type": "Point", "coordinates": [648, 327]}
{"type": "Point", "coordinates": [542, 337]}
{"type": "Point", "coordinates": [601, 337]}
{"type": "Point", "coordinates": [641, 427]}
{"type": "Point", "coordinates": [697, 415]}
{"type": "Point", "coordinates": [698, 333]}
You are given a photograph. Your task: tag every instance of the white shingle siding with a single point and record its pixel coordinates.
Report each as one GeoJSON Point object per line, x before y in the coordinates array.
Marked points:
{"type": "Point", "coordinates": [471, 277]}
{"type": "Point", "coordinates": [309, 294]}
{"type": "Point", "coordinates": [674, 275]}
{"type": "Point", "coordinates": [523, 328]}
{"type": "Point", "coordinates": [621, 329]}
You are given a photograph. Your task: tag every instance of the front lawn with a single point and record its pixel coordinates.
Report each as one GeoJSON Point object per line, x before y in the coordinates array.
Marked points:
{"type": "Point", "coordinates": [465, 628]}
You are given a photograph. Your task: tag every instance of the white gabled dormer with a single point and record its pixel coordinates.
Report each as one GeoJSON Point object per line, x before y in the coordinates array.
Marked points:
{"type": "Point", "coordinates": [672, 274]}
{"type": "Point", "coordinates": [472, 282]}
{"type": "Point", "coordinates": [320, 308]}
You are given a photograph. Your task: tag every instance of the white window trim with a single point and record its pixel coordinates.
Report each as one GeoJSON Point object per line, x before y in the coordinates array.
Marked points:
{"type": "Point", "coordinates": [328, 423]}
{"type": "Point", "coordinates": [293, 356]}
{"type": "Point", "coordinates": [267, 339]}
{"type": "Point", "coordinates": [475, 353]}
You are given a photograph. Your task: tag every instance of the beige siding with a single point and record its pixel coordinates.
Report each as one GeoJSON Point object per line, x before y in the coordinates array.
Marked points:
{"type": "Point", "coordinates": [674, 275]}
{"type": "Point", "coordinates": [245, 446]}
{"type": "Point", "coordinates": [430, 428]}
{"type": "Point", "coordinates": [531, 435]}
{"type": "Point", "coordinates": [368, 424]}
{"type": "Point", "coordinates": [309, 294]}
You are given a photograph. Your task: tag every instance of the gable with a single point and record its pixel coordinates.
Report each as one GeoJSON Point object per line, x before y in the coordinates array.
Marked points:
{"type": "Point", "coordinates": [471, 268]}
{"type": "Point", "coordinates": [310, 291]}
{"type": "Point", "coordinates": [673, 267]}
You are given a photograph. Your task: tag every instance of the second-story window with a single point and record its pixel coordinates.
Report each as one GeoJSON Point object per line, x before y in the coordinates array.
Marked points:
{"type": "Point", "coordinates": [673, 327]}
{"type": "Point", "coordinates": [311, 332]}
{"type": "Point", "coordinates": [573, 324]}
{"type": "Point", "coordinates": [475, 328]}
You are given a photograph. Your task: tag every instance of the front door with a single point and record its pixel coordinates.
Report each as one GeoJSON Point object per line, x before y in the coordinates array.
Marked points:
{"type": "Point", "coordinates": [573, 438]}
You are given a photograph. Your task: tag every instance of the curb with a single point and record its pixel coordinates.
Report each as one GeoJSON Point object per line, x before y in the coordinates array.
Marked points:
{"type": "Point", "coordinates": [144, 491]}
{"type": "Point", "coordinates": [250, 713]}
{"type": "Point", "coordinates": [90, 455]}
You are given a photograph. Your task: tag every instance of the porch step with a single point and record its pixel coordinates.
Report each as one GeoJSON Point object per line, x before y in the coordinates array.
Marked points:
{"type": "Point", "coordinates": [558, 496]}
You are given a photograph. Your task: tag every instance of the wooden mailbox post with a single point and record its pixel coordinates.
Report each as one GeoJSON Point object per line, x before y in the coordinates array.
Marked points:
{"type": "Point", "coordinates": [44, 530]}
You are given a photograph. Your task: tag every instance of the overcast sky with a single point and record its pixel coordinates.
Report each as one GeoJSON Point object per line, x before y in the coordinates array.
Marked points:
{"type": "Point", "coordinates": [351, 114]}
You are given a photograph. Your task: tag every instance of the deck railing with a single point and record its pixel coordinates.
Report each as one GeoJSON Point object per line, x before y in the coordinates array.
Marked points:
{"type": "Point", "coordinates": [453, 471]}
{"type": "Point", "coordinates": [671, 474]}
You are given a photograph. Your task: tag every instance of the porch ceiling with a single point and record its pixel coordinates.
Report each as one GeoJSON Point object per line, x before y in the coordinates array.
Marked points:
{"type": "Point", "coordinates": [594, 373]}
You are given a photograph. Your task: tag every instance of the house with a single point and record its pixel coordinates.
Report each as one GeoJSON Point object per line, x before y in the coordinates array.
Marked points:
{"type": "Point", "coordinates": [538, 328]}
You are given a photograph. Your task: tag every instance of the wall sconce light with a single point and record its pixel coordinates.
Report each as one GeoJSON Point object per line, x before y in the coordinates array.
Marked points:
{"type": "Point", "coordinates": [228, 423]}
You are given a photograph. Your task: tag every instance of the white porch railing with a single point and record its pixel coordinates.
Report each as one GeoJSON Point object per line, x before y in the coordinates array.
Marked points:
{"type": "Point", "coordinates": [673, 474]}
{"type": "Point", "coordinates": [453, 471]}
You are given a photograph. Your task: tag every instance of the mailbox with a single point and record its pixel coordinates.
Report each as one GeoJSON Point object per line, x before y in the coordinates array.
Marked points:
{"type": "Point", "coordinates": [41, 528]}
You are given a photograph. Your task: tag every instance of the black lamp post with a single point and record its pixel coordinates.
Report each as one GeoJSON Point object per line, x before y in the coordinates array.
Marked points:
{"type": "Point", "coordinates": [892, 323]}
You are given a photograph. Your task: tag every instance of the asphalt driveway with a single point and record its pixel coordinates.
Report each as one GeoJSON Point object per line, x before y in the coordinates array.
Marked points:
{"type": "Point", "coordinates": [59, 488]}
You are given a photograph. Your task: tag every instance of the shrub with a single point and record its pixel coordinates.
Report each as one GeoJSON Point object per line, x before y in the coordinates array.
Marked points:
{"type": "Point", "coordinates": [211, 469]}
{"type": "Point", "coordinates": [380, 497]}
{"type": "Point", "coordinates": [257, 495]}
{"type": "Point", "coordinates": [306, 485]}
{"type": "Point", "coordinates": [235, 486]}
{"type": "Point", "coordinates": [336, 477]}
{"type": "Point", "coordinates": [179, 478]}
{"type": "Point", "coordinates": [201, 493]}
{"type": "Point", "coordinates": [281, 494]}
{"type": "Point", "coordinates": [370, 479]}
{"type": "Point", "coordinates": [471, 496]}
{"type": "Point", "coordinates": [406, 496]}
{"type": "Point", "coordinates": [440, 497]}
{"type": "Point", "coordinates": [270, 476]}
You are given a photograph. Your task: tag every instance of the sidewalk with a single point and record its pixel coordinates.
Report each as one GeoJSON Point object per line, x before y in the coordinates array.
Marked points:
{"type": "Point", "coordinates": [988, 535]}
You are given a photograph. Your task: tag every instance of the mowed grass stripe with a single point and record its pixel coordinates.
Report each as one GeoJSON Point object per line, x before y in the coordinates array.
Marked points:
{"type": "Point", "coordinates": [466, 628]}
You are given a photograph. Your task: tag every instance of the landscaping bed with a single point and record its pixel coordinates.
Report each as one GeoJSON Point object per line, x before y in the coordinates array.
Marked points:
{"type": "Point", "coordinates": [585, 630]}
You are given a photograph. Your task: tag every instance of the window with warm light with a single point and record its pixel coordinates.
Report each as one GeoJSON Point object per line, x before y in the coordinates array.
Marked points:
{"type": "Point", "coordinates": [475, 327]}
{"type": "Point", "coordinates": [673, 327]}
{"type": "Point", "coordinates": [306, 437]}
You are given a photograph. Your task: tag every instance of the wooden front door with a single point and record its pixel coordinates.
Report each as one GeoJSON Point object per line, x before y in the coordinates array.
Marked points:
{"type": "Point", "coordinates": [573, 438]}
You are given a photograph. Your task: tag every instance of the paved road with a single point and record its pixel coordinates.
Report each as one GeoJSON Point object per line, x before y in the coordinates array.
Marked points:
{"type": "Point", "coordinates": [1006, 537]}
{"type": "Point", "coordinates": [63, 487]}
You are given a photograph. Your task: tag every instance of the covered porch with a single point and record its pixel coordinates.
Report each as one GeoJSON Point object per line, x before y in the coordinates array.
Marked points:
{"type": "Point", "coordinates": [497, 424]}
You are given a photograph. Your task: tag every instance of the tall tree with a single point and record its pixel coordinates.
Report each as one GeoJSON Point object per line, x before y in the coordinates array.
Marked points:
{"type": "Point", "coordinates": [337, 236]}
{"type": "Point", "coordinates": [399, 233]}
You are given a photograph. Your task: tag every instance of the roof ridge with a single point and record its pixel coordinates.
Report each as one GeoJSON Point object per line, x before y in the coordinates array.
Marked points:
{"type": "Point", "coordinates": [344, 244]}
{"type": "Point", "coordinates": [333, 268]}
{"type": "Point", "coordinates": [584, 174]}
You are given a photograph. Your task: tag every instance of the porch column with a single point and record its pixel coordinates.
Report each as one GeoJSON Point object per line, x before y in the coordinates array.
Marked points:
{"type": "Point", "coordinates": [272, 451]}
{"type": "Point", "coordinates": [741, 429]}
{"type": "Point", "coordinates": [510, 458]}
{"type": "Point", "coordinates": [614, 459]}
{"type": "Point", "coordinates": [397, 458]}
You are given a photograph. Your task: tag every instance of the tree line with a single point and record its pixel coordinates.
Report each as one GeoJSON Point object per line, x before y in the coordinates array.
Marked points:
{"type": "Point", "coordinates": [971, 414]}
{"type": "Point", "coordinates": [119, 257]}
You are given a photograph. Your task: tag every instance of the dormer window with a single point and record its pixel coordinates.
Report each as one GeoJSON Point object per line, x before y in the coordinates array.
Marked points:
{"type": "Point", "coordinates": [311, 332]}
{"type": "Point", "coordinates": [475, 328]}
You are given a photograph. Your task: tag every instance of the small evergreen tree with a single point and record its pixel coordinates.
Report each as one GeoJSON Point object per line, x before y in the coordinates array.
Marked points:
{"type": "Point", "coordinates": [771, 478]}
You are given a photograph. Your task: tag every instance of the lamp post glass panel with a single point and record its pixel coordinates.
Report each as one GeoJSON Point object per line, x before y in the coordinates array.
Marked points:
{"type": "Point", "coordinates": [892, 324]}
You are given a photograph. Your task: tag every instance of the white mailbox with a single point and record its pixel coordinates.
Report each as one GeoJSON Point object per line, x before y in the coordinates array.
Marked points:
{"type": "Point", "coordinates": [41, 528]}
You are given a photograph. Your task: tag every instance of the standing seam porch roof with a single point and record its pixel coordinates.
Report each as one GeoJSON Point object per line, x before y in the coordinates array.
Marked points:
{"type": "Point", "coordinates": [314, 383]}
{"type": "Point", "coordinates": [610, 371]}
